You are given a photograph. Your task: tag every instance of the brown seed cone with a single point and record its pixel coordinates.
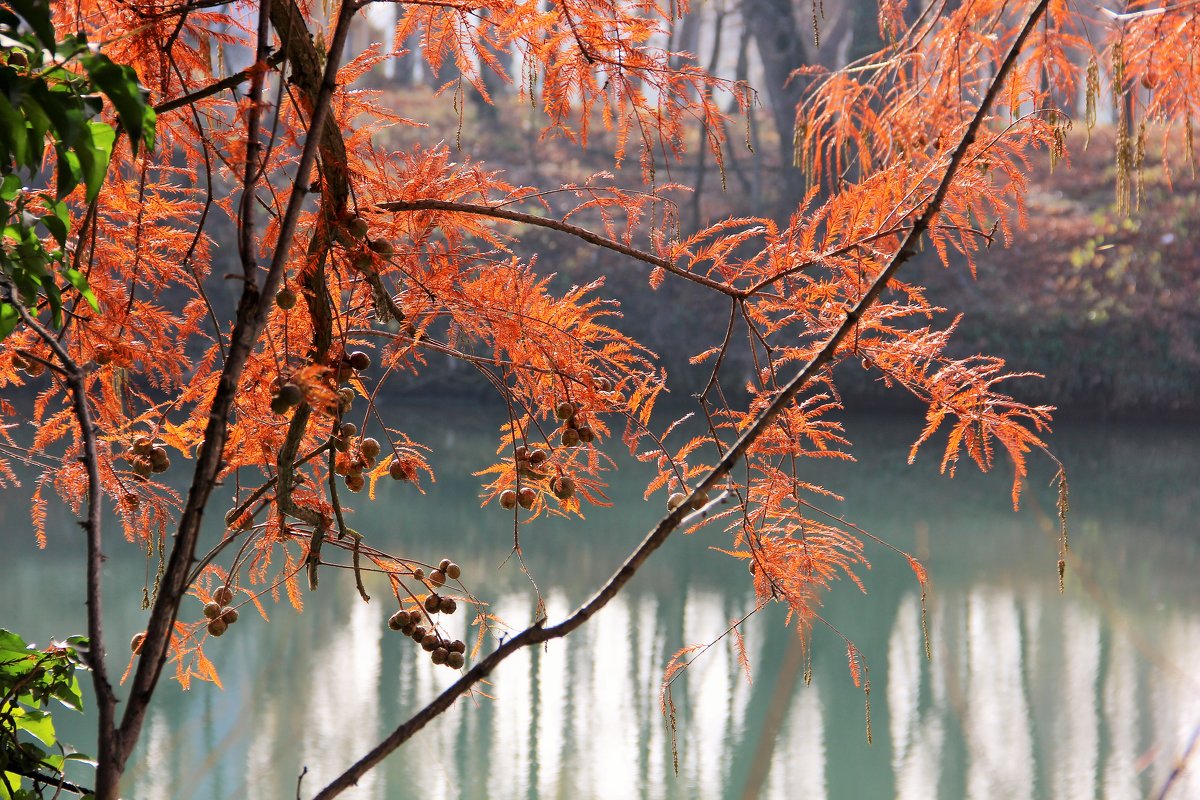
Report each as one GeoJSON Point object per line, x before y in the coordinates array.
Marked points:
{"type": "Point", "coordinates": [370, 448]}
{"type": "Point", "coordinates": [381, 246]}
{"type": "Point", "coordinates": [526, 497]}
{"type": "Point", "coordinates": [397, 471]}
{"type": "Point", "coordinates": [291, 394]}
{"type": "Point", "coordinates": [563, 487]}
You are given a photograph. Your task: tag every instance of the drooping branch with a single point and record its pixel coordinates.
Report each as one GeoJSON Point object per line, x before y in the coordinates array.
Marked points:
{"type": "Point", "coordinates": [106, 702]}
{"type": "Point", "coordinates": [308, 80]}
{"type": "Point", "coordinates": [563, 227]}
{"type": "Point", "coordinates": [251, 318]}
{"type": "Point", "coordinates": [251, 170]}
{"type": "Point", "coordinates": [538, 633]}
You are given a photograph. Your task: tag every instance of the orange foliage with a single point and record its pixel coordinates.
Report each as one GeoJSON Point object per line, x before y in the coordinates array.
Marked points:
{"type": "Point", "coordinates": [437, 272]}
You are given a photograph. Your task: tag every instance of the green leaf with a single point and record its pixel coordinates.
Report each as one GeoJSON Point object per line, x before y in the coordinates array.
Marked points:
{"type": "Point", "coordinates": [67, 692]}
{"type": "Point", "coordinates": [92, 104]}
{"type": "Point", "coordinates": [39, 126]}
{"type": "Point", "coordinates": [58, 208]}
{"type": "Point", "coordinates": [15, 138]}
{"type": "Point", "coordinates": [10, 187]}
{"type": "Point", "coordinates": [82, 759]}
{"type": "Point", "coordinates": [76, 279]}
{"type": "Point", "coordinates": [54, 295]}
{"type": "Point", "coordinates": [120, 85]}
{"type": "Point", "coordinates": [11, 645]}
{"type": "Point", "coordinates": [37, 724]}
{"type": "Point", "coordinates": [94, 151]}
{"type": "Point", "coordinates": [37, 14]}
{"type": "Point", "coordinates": [70, 172]}
{"type": "Point", "coordinates": [8, 321]}
{"type": "Point", "coordinates": [14, 780]}
{"type": "Point", "coordinates": [57, 228]}
{"type": "Point", "coordinates": [62, 107]}
{"type": "Point", "coordinates": [33, 257]}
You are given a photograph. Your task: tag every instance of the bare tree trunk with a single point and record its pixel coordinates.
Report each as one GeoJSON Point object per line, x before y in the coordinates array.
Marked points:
{"type": "Point", "coordinates": [864, 30]}
{"type": "Point", "coordinates": [702, 151]}
{"type": "Point", "coordinates": [409, 69]}
{"type": "Point", "coordinates": [788, 37]}
{"type": "Point", "coordinates": [776, 30]}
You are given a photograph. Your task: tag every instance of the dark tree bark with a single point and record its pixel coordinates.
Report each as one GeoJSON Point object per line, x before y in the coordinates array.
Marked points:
{"type": "Point", "coordinates": [775, 27]}
{"type": "Point", "coordinates": [788, 37]}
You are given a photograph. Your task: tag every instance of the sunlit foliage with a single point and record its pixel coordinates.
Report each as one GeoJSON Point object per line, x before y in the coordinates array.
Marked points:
{"type": "Point", "coordinates": [355, 266]}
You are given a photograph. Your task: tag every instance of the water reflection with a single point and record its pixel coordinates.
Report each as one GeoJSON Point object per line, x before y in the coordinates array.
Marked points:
{"type": "Point", "coordinates": [917, 731]}
{"type": "Point", "coordinates": [1030, 694]}
{"type": "Point", "coordinates": [341, 703]}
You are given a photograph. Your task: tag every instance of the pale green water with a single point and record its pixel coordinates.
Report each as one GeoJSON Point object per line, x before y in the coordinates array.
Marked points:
{"type": "Point", "coordinates": [1030, 694]}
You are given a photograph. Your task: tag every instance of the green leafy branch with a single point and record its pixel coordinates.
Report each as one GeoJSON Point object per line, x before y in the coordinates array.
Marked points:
{"type": "Point", "coordinates": [46, 97]}
{"type": "Point", "coordinates": [29, 680]}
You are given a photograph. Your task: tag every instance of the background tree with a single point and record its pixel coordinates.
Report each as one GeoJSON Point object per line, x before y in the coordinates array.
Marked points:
{"type": "Point", "coordinates": [351, 266]}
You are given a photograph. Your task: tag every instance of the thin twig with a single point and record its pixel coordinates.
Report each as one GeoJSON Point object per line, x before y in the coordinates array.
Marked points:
{"type": "Point", "coordinates": [1180, 764]}
{"type": "Point", "coordinates": [216, 87]}
{"type": "Point", "coordinates": [563, 227]}
{"type": "Point", "coordinates": [74, 377]}
{"type": "Point", "coordinates": [49, 780]}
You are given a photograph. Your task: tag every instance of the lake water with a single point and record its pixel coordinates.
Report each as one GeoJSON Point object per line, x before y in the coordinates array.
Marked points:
{"type": "Point", "coordinates": [1030, 694]}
